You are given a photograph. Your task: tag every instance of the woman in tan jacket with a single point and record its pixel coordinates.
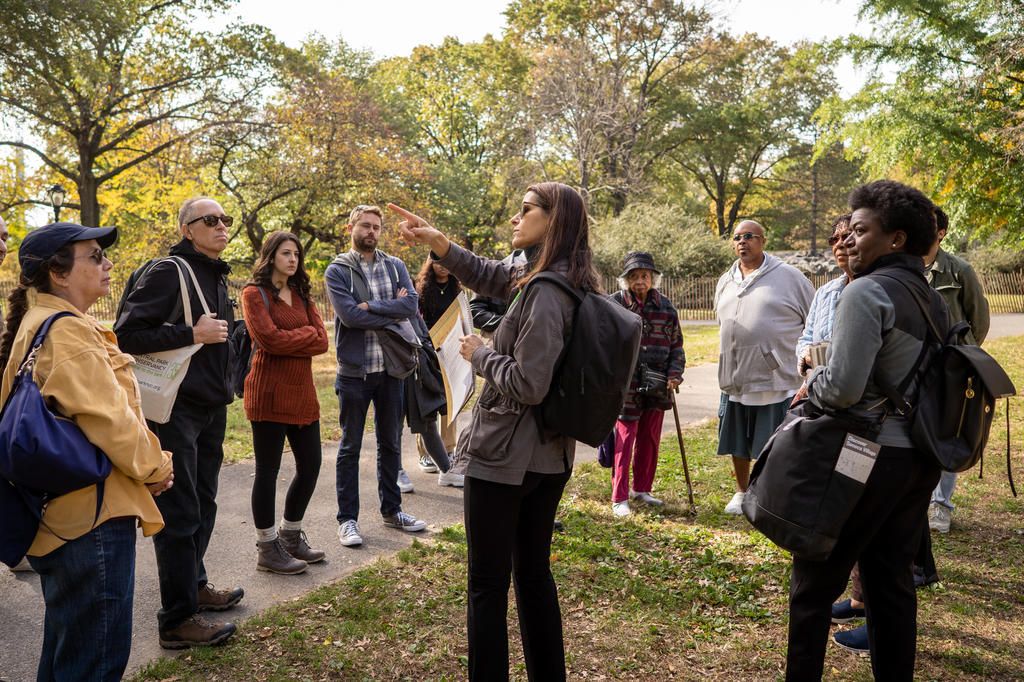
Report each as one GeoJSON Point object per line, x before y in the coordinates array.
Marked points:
{"type": "Point", "coordinates": [515, 474]}
{"type": "Point", "coordinates": [86, 563]}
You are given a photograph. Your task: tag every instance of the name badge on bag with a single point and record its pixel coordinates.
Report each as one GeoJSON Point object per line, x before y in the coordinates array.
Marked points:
{"type": "Point", "coordinates": [857, 458]}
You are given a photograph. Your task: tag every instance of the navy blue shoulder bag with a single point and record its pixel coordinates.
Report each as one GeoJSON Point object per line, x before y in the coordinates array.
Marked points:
{"type": "Point", "coordinates": [43, 455]}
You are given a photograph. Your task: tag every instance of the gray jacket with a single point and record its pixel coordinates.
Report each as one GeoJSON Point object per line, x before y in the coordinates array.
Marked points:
{"type": "Point", "coordinates": [877, 338]}
{"type": "Point", "coordinates": [503, 440]}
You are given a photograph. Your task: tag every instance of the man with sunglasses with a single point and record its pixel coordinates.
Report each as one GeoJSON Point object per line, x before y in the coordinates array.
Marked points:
{"type": "Point", "coordinates": [152, 320]}
{"type": "Point", "coordinates": [762, 305]}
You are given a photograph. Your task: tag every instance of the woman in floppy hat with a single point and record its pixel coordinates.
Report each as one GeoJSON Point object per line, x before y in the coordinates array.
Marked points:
{"type": "Point", "coordinates": [659, 370]}
{"type": "Point", "coordinates": [85, 561]}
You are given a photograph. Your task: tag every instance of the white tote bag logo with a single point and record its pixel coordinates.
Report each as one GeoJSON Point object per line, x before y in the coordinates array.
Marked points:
{"type": "Point", "coordinates": [160, 374]}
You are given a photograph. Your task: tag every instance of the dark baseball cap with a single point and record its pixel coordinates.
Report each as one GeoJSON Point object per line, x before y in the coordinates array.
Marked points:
{"type": "Point", "coordinates": [42, 242]}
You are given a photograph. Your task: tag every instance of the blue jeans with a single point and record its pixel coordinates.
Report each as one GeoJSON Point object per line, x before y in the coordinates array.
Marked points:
{"type": "Point", "coordinates": [355, 396]}
{"type": "Point", "coordinates": [943, 493]}
{"type": "Point", "coordinates": [88, 585]}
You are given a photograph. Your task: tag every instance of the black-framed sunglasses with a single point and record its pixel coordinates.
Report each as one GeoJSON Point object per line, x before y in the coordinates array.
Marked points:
{"type": "Point", "coordinates": [836, 238]}
{"type": "Point", "coordinates": [212, 220]}
{"type": "Point", "coordinates": [746, 236]}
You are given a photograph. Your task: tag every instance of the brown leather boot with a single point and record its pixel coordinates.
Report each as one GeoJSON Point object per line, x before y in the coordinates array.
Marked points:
{"type": "Point", "coordinates": [212, 599]}
{"type": "Point", "coordinates": [273, 557]}
{"type": "Point", "coordinates": [196, 631]}
{"type": "Point", "coordinates": [295, 543]}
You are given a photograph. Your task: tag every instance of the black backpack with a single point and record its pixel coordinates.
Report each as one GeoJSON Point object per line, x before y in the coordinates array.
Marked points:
{"type": "Point", "coordinates": [596, 365]}
{"type": "Point", "coordinates": [242, 345]}
{"type": "Point", "coordinates": [133, 283]}
{"type": "Point", "coordinates": [959, 384]}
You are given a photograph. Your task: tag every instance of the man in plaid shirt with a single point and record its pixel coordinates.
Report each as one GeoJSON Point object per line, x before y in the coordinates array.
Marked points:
{"type": "Point", "coordinates": [369, 290]}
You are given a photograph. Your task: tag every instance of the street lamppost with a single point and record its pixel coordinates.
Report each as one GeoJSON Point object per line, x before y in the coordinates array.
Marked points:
{"type": "Point", "coordinates": [56, 195]}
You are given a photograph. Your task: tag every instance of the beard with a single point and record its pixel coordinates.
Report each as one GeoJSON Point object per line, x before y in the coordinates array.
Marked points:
{"type": "Point", "coordinates": [366, 244]}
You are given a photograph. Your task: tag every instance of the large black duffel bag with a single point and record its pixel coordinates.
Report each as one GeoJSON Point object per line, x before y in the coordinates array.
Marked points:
{"type": "Point", "coordinates": [809, 477]}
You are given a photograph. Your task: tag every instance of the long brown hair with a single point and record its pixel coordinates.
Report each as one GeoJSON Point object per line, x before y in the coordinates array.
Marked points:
{"type": "Point", "coordinates": [429, 290]}
{"type": "Point", "coordinates": [568, 236]}
{"type": "Point", "coordinates": [17, 301]}
{"type": "Point", "coordinates": [263, 272]}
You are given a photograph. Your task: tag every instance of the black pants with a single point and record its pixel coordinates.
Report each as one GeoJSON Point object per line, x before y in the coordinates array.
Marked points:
{"type": "Point", "coordinates": [195, 437]}
{"type": "Point", "coordinates": [268, 446]}
{"type": "Point", "coordinates": [882, 533]}
{"type": "Point", "coordinates": [508, 530]}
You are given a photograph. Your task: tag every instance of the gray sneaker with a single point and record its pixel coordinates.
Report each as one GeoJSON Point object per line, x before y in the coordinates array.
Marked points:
{"type": "Point", "coordinates": [939, 518]}
{"type": "Point", "coordinates": [404, 484]}
{"type": "Point", "coordinates": [348, 534]}
{"type": "Point", "coordinates": [406, 522]}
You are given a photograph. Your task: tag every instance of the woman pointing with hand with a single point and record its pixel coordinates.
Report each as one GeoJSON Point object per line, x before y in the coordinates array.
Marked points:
{"type": "Point", "coordinates": [515, 474]}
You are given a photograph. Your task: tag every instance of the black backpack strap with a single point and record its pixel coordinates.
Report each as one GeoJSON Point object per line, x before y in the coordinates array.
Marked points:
{"type": "Point", "coordinates": [897, 395]}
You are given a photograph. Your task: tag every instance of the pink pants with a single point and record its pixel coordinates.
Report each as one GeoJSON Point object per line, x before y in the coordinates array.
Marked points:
{"type": "Point", "coordinates": [637, 441]}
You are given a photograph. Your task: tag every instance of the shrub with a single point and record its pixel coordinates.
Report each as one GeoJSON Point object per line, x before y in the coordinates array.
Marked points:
{"type": "Point", "coordinates": [682, 245]}
{"type": "Point", "coordinates": [996, 258]}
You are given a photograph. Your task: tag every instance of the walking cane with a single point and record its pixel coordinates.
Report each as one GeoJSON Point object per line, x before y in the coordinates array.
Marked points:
{"type": "Point", "coordinates": [682, 452]}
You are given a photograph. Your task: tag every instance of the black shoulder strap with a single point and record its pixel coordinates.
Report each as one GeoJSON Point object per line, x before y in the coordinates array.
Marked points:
{"type": "Point", "coordinates": [561, 281]}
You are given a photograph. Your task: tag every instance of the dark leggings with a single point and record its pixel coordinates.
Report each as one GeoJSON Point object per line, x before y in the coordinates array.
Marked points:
{"type": "Point", "coordinates": [508, 531]}
{"type": "Point", "coordinates": [435, 446]}
{"type": "Point", "coordinates": [268, 445]}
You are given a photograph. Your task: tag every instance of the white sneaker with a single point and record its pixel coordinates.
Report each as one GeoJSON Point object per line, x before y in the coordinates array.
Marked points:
{"type": "Point", "coordinates": [348, 534]}
{"type": "Point", "coordinates": [404, 484]}
{"type": "Point", "coordinates": [451, 478]}
{"type": "Point", "coordinates": [406, 522]}
{"type": "Point", "coordinates": [646, 498]}
{"type": "Point", "coordinates": [939, 518]}
{"type": "Point", "coordinates": [735, 506]}
{"type": "Point", "coordinates": [621, 508]}
{"type": "Point", "coordinates": [427, 465]}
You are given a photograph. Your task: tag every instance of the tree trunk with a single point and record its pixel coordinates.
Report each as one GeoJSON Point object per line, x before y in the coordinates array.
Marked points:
{"type": "Point", "coordinates": [89, 213]}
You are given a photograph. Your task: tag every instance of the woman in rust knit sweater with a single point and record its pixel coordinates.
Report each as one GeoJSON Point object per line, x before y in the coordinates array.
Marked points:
{"type": "Point", "coordinates": [280, 399]}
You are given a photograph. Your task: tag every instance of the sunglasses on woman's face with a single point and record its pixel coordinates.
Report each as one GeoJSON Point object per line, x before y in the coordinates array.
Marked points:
{"type": "Point", "coordinates": [212, 220]}
{"type": "Point", "coordinates": [96, 256]}
{"type": "Point", "coordinates": [746, 236]}
{"type": "Point", "coordinates": [836, 238]}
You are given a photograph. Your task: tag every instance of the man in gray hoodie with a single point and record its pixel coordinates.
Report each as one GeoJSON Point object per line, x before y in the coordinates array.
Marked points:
{"type": "Point", "coordinates": [762, 305]}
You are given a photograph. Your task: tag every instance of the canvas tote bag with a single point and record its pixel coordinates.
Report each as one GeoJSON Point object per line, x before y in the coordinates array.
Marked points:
{"type": "Point", "coordinates": [160, 374]}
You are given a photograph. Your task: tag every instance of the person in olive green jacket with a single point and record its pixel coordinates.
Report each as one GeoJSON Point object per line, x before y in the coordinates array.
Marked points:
{"type": "Point", "coordinates": [86, 564]}
{"type": "Point", "coordinates": [960, 288]}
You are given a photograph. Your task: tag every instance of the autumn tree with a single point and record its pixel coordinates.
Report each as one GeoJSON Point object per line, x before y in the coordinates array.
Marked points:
{"type": "Point", "coordinates": [463, 109]}
{"type": "Point", "coordinates": [87, 81]}
{"type": "Point", "coordinates": [311, 152]}
{"type": "Point", "coordinates": [746, 104]}
{"type": "Point", "coordinates": [945, 110]}
{"type": "Point", "coordinates": [603, 80]}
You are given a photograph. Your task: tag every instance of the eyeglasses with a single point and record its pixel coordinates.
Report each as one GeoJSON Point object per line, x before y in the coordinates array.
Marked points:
{"type": "Point", "coordinates": [746, 236]}
{"type": "Point", "coordinates": [212, 220]}
{"type": "Point", "coordinates": [836, 238]}
{"type": "Point", "coordinates": [96, 256]}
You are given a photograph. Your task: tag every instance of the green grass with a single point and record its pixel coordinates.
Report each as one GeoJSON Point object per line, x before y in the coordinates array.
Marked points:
{"type": "Point", "coordinates": [660, 595]}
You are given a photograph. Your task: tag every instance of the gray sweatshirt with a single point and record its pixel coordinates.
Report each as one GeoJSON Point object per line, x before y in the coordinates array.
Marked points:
{"type": "Point", "coordinates": [761, 317]}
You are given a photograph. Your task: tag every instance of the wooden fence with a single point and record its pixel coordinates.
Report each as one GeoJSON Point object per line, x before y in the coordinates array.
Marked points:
{"type": "Point", "coordinates": [693, 296]}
